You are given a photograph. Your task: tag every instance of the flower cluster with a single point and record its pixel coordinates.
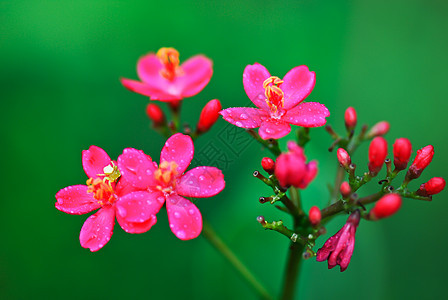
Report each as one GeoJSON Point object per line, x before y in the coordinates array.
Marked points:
{"type": "Point", "coordinates": [134, 188]}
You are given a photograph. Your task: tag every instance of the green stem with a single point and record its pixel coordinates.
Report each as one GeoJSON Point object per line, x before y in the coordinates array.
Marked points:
{"type": "Point", "coordinates": [292, 269]}
{"type": "Point", "coordinates": [295, 252]}
{"type": "Point", "coordinates": [209, 233]}
{"type": "Point", "coordinates": [340, 175]}
{"type": "Point", "coordinates": [272, 145]}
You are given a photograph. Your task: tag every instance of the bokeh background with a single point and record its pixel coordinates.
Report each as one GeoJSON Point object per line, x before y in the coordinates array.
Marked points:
{"type": "Point", "coordinates": [60, 64]}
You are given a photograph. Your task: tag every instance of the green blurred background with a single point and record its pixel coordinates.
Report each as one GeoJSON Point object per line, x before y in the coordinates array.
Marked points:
{"type": "Point", "coordinates": [60, 93]}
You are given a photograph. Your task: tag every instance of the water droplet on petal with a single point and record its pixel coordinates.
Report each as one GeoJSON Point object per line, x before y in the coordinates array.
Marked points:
{"type": "Point", "coordinates": [239, 124]}
{"type": "Point", "coordinates": [181, 234]}
{"type": "Point", "coordinates": [177, 215]}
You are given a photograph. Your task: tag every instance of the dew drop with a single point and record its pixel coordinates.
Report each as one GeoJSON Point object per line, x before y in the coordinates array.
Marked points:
{"type": "Point", "coordinates": [177, 215]}
{"type": "Point", "coordinates": [181, 234]}
{"type": "Point", "coordinates": [239, 124]}
{"type": "Point", "coordinates": [191, 211]}
{"type": "Point", "coordinates": [202, 178]}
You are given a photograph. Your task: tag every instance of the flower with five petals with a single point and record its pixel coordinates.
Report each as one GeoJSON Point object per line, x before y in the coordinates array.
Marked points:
{"type": "Point", "coordinates": [106, 190]}
{"type": "Point", "coordinates": [278, 101]}
{"type": "Point", "coordinates": [164, 79]}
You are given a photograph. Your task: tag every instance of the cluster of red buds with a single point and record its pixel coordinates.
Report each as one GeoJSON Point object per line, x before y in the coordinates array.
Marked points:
{"type": "Point", "coordinates": [290, 172]}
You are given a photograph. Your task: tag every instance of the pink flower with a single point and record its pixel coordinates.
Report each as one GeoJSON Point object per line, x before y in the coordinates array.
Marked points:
{"type": "Point", "coordinates": [291, 168]}
{"type": "Point", "coordinates": [164, 79]}
{"type": "Point", "coordinates": [167, 182]}
{"type": "Point", "coordinates": [339, 248]}
{"type": "Point", "coordinates": [105, 190]}
{"type": "Point", "coordinates": [278, 101]}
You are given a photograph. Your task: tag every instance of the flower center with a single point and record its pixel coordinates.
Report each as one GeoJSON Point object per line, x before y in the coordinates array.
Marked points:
{"type": "Point", "coordinates": [111, 172]}
{"type": "Point", "coordinates": [166, 175]}
{"type": "Point", "coordinates": [102, 190]}
{"type": "Point", "coordinates": [169, 57]}
{"type": "Point", "coordinates": [274, 95]}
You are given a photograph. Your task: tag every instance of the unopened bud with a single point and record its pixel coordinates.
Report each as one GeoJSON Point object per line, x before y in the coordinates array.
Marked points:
{"type": "Point", "coordinates": [402, 153]}
{"type": "Point", "coordinates": [386, 206]}
{"type": "Point", "coordinates": [343, 158]}
{"type": "Point", "coordinates": [433, 186]}
{"type": "Point", "coordinates": [350, 118]}
{"type": "Point", "coordinates": [380, 128]}
{"type": "Point", "coordinates": [209, 115]}
{"type": "Point", "coordinates": [268, 165]}
{"type": "Point", "coordinates": [345, 189]}
{"type": "Point", "coordinates": [155, 114]}
{"type": "Point", "coordinates": [261, 220]}
{"type": "Point", "coordinates": [314, 215]}
{"type": "Point", "coordinates": [377, 154]}
{"type": "Point", "coordinates": [421, 161]}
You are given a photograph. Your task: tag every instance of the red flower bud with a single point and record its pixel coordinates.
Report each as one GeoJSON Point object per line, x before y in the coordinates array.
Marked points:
{"type": "Point", "coordinates": [345, 189]}
{"type": "Point", "coordinates": [209, 115]}
{"type": "Point", "coordinates": [433, 186]}
{"type": "Point", "coordinates": [421, 161]}
{"type": "Point", "coordinates": [386, 206]}
{"type": "Point", "coordinates": [377, 154]}
{"type": "Point", "coordinates": [343, 158]}
{"type": "Point", "coordinates": [291, 168]}
{"type": "Point", "coordinates": [350, 118]}
{"type": "Point", "coordinates": [380, 128]}
{"type": "Point", "coordinates": [402, 153]}
{"type": "Point", "coordinates": [155, 114]}
{"type": "Point", "coordinates": [314, 215]}
{"type": "Point", "coordinates": [268, 165]}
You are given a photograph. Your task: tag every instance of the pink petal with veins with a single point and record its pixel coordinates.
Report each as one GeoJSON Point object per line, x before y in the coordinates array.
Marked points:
{"type": "Point", "coordinates": [97, 229]}
{"type": "Point", "coordinates": [309, 114]}
{"type": "Point", "coordinates": [178, 148]}
{"type": "Point", "coordinates": [253, 78]}
{"type": "Point", "coordinates": [75, 200]}
{"type": "Point", "coordinates": [201, 182]}
{"type": "Point", "coordinates": [197, 72]}
{"type": "Point", "coordinates": [245, 117]}
{"type": "Point", "coordinates": [94, 160]}
{"type": "Point", "coordinates": [137, 168]}
{"type": "Point", "coordinates": [273, 129]}
{"type": "Point", "coordinates": [297, 85]}
{"type": "Point", "coordinates": [184, 217]}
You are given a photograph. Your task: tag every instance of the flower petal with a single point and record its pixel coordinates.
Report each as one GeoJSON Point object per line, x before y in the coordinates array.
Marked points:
{"type": "Point", "coordinates": [97, 229]}
{"type": "Point", "coordinates": [274, 129]}
{"type": "Point", "coordinates": [245, 117]}
{"type": "Point", "coordinates": [75, 200]}
{"type": "Point", "coordinates": [137, 168]}
{"type": "Point", "coordinates": [309, 114]}
{"type": "Point", "coordinates": [297, 85]}
{"type": "Point", "coordinates": [137, 211]}
{"type": "Point", "coordinates": [161, 93]}
{"type": "Point", "coordinates": [197, 73]}
{"type": "Point", "coordinates": [253, 78]}
{"type": "Point", "coordinates": [149, 68]}
{"type": "Point", "coordinates": [136, 227]}
{"type": "Point", "coordinates": [178, 148]}
{"type": "Point", "coordinates": [201, 182]}
{"type": "Point", "coordinates": [94, 160]}
{"type": "Point", "coordinates": [184, 217]}
{"type": "Point", "coordinates": [311, 172]}
{"type": "Point", "coordinates": [346, 254]}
